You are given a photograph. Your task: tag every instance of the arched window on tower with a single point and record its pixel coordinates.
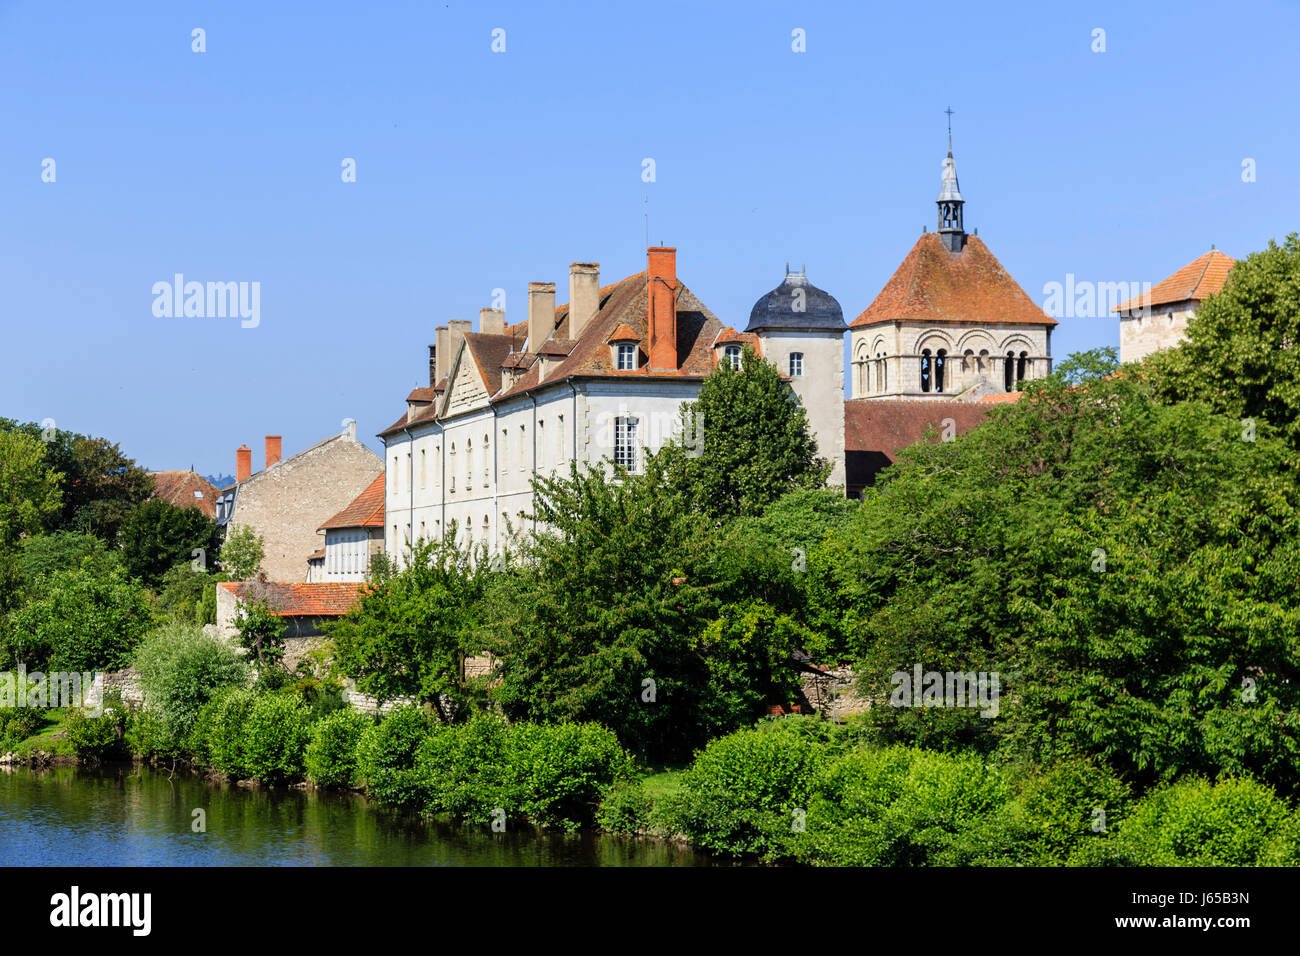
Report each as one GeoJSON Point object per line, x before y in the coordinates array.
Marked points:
{"type": "Point", "coordinates": [926, 370]}
{"type": "Point", "coordinates": [940, 361]}
{"type": "Point", "coordinates": [1008, 372]}
{"type": "Point", "coordinates": [1021, 366]}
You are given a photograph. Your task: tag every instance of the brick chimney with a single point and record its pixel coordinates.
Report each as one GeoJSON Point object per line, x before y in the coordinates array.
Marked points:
{"type": "Point", "coordinates": [243, 463]}
{"type": "Point", "coordinates": [272, 450]}
{"type": "Point", "coordinates": [663, 308]}
{"type": "Point", "coordinates": [541, 313]}
{"type": "Point", "coordinates": [492, 321]}
{"type": "Point", "coordinates": [584, 295]}
{"type": "Point", "coordinates": [456, 330]}
{"type": "Point", "coordinates": [440, 337]}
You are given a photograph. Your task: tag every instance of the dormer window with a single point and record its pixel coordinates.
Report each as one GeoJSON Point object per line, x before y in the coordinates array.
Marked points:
{"type": "Point", "coordinates": [626, 357]}
{"type": "Point", "coordinates": [732, 355]}
{"type": "Point", "coordinates": [796, 364]}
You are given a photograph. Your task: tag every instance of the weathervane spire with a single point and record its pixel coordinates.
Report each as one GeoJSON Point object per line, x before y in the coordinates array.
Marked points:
{"type": "Point", "coordinates": [949, 112]}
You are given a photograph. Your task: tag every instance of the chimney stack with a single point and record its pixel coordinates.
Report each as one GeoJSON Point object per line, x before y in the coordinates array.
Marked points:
{"type": "Point", "coordinates": [584, 295]}
{"type": "Point", "coordinates": [541, 313]}
{"type": "Point", "coordinates": [441, 338]}
{"type": "Point", "coordinates": [456, 330]}
{"type": "Point", "coordinates": [243, 463]}
{"type": "Point", "coordinates": [663, 308]}
{"type": "Point", "coordinates": [272, 450]}
{"type": "Point", "coordinates": [492, 321]}
{"type": "Point", "coordinates": [433, 365]}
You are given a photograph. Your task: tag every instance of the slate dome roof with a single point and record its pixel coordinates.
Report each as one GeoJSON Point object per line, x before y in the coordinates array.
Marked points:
{"type": "Point", "coordinates": [776, 310]}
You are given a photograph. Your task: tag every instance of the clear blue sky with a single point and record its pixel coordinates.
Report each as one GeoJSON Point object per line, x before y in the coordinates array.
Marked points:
{"type": "Point", "coordinates": [479, 170]}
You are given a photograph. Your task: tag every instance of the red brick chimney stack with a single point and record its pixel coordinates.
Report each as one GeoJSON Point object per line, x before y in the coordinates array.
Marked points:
{"type": "Point", "coordinates": [272, 450]}
{"type": "Point", "coordinates": [663, 308]}
{"type": "Point", "coordinates": [243, 463]}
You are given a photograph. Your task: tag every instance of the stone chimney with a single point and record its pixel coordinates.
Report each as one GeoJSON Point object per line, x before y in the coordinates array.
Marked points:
{"type": "Point", "coordinates": [243, 463]}
{"type": "Point", "coordinates": [440, 337]}
{"type": "Point", "coordinates": [352, 428]}
{"type": "Point", "coordinates": [662, 311]}
{"type": "Point", "coordinates": [584, 295]}
{"type": "Point", "coordinates": [541, 313]}
{"type": "Point", "coordinates": [492, 321]}
{"type": "Point", "coordinates": [456, 330]}
{"type": "Point", "coordinates": [272, 450]}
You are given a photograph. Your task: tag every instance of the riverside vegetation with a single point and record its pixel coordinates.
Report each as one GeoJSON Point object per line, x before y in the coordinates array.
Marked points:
{"type": "Point", "coordinates": [1120, 546]}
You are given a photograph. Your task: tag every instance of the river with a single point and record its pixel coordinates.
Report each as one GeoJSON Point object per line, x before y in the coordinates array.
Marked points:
{"type": "Point", "coordinates": [137, 816]}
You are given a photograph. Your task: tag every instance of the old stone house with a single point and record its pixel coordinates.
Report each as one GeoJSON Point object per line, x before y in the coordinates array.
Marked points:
{"type": "Point", "coordinates": [1158, 319]}
{"type": "Point", "coordinates": [289, 499]}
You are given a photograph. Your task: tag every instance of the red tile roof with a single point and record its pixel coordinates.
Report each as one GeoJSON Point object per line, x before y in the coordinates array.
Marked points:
{"type": "Point", "coordinates": [1002, 397]}
{"type": "Point", "coordinates": [970, 287]}
{"type": "Point", "coordinates": [876, 430]}
{"type": "Point", "coordinates": [365, 511]}
{"type": "Point", "coordinates": [622, 334]}
{"type": "Point", "coordinates": [318, 554]}
{"type": "Point", "coordinates": [1194, 282]}
{"type": "Point", "coordinates": [332, 599]}
{"type": "Point", "coordinates": [425, 394]}
{"type": "Point", "coordinates": [179, 487]}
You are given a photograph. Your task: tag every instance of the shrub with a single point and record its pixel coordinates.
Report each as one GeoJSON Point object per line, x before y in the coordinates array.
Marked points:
{"type": "Point", "coordinates": [147, 736]}
{"type": "Point", "coordinates": [331, 758]}
{"type": "Point", "coordinates": [218, 735]}
{"type": "Point", "coordinates": [17, 723]}
{"type": "Point", "coordinates": [561, 772]}
{"type": "Point", "coordinates": [180, 668]}
{"type": "Point", "coordinates": [1235, 822]}
{"type": "Point", "coordinates": [741, 794]}
{"type": "Point", "coordinates": [903, 807]}
{"type": "Point", "coordinates": [625, 809]}
{"type": "Point", "coordinates": [1056, 807]}
{"type": "Point", "coordinates": [275, 736]}
{"type": "Point", "coordinates": [386, 756]}
{"type": "Point", "coordinates": [94, 736]}
{"type": "Point", "coordinates": [464, 769]}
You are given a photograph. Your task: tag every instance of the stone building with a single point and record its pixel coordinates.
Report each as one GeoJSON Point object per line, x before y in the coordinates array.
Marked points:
{"type": "Point", "coordinates": [289, 499]}
{"type": "Point", "coordinates": [602, 377]}
{"type": "Point", "coordinates": [1158, 319]}
{"type": "Point", "coordinates": [352, 538]}
{"type": "Point", "coordinates": [951, 322]}
{"type": "Point", "coordinates": [302, 607]}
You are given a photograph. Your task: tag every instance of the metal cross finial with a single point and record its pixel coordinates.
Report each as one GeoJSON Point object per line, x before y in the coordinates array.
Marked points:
{"type": "Point", "coordinates": [949, 112]}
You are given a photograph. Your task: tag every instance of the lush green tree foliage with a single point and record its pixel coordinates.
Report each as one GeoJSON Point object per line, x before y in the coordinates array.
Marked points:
{"type": "Point", "coordinates": [242, 553]}
{"type": "Point", "coordinates": [157, 536]}
{"type": "Point", "coordinates": [181, 668]}
{"type": "Point", "coordinates": [83, 621]}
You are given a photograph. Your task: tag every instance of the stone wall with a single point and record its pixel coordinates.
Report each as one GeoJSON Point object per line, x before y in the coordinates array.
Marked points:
{"type": "Point", "coordinates": [1141, 335]}
{"type": "Point", "coordinates": [832, 692]}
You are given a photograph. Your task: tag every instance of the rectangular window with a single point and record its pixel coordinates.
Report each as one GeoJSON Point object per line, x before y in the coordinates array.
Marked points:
{"type": "Point", "coordinates": [626, 358]}
{"type": "Point", "coordinates": [505, 437]}
{"type": "Point", "coordinates": [522, 460]}
{"type": "Point", "coordinates": [559, 442]}
{"type": "Point", "coordinates": [541, 444]}
{"type": "Point", "coordinates": [424, 474]}
{"type": "Point", "coordinates": [796, 364]}
{"type": "Point", "coordinates": [625, 444]}
{"type": "Point", "coordinates": [395, 473]}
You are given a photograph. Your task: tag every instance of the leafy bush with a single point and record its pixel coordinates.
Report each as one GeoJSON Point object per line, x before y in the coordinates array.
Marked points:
{"type": "Point", "coordinates": [625, 809]}
{"type": "Point", "coordinates": [276, 733]}
{"type": "Point", "coordinates": [902, 807]}
{"type": "Point", "coordinates": [17, 723]}
{"type": "Point", "coordinates": [1056, 807]}
{"type": "Point", "coordinates": [180, 668]}
{"type": "Point", "coordinates": [95, 736]}
{"type": "Point", "coordinates": [331, 757]}
{"type": "Point", "coordinates": [1235, 822]}
{"type": "Point", "coordinates": [386, 756]}
{"type": "Point", "coordinates": [561, 772]}
{"type": "Point", "coordinates": [464, 769]}
{"type": "Point", "coordinates": [218, 735]}
{"type": "Point", "coordinates": [741, 794]}
{"type": "Point", "coordinates": [147, 736]}
{"type": "Point", "coordinates": [85, 620]}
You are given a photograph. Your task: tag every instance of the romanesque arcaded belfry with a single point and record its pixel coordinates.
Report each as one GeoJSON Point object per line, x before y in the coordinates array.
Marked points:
{"type": "Point", "coordinates": [801, 331]}
{"type": "Point", "coordinates": [951, 322]}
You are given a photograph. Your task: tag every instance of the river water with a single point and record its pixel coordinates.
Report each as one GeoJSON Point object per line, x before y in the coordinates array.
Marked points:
{"type": "Point", "coordinates": [138, 816]}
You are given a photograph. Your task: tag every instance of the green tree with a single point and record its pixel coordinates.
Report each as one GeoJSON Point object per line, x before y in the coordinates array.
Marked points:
{"type": "Point", "coordinates": [242, 554]}
{"type": "Point", "coordinates": [180, 669]}
{"type": "Point", "coordinates": [752, 444]}
{"type": "Point", "coordinates": [260, 631]}
{"type": "Point", "coordinates": [29, 488]}
{"type": "Point", "coordinates": [157, 536]}
{"type": "Point", "coordinates": [83, 621]}
{"type": "Point", "coordinates": [410, 632]}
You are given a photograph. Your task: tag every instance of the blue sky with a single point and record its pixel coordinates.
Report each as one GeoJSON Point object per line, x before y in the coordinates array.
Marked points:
{"type": "Point", "coordinates": [479, 170]}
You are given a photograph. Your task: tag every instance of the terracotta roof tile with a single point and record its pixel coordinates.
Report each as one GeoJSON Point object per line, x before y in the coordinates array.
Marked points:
{"type": "Point", "coordinates": [622, 334]}
{"type": "Point", "coordinates": [1194, 282]}
{"type": "Point", "coordinates": [179, 487]}
{"type": "Point", "coordinates": [365, 511]}
{"type": "Point", "coordinates": [318, 554]}
{"type": "Point", "coordinates": [425, 394]}
{"type": "Point", "coordinates": [970, 287]}
{"type": "Point", "coordinates": [326, 599]}
{"type": "Point", "coordinates": [876, 430]}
